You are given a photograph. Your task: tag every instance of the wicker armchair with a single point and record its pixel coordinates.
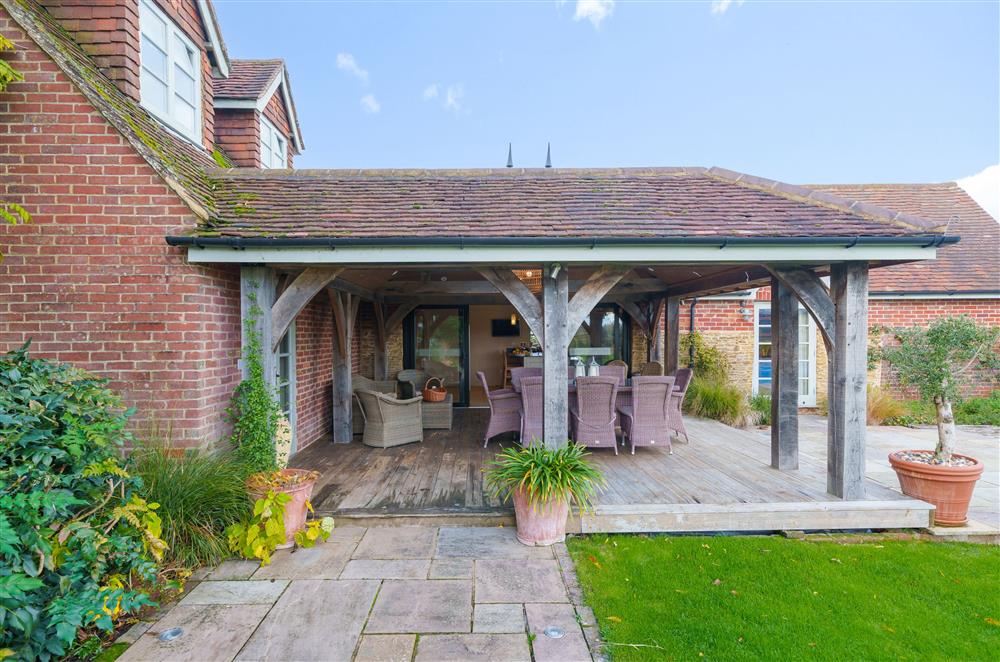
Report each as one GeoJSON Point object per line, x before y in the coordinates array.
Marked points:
{"type": "Point", "coordinates": [592, 412]}
{"type": "Point", "coordinates": [505, 410]}
{"type": "Point", "coordinates": [388, 420]}
{"type": "Point", "coordinates": [360, 382]}
{"type": "Point", "coordinates": [651, 369]}
{"type": "Point", "coordinates": [682, 379]}
{"type": "Point", "coordinates": [617, 370]}
{"type": "Point", "coordinates": [532, 408]}
{"type": "Point", "coordinates": [646, 421]}
{"type": "Point", "coordinates": [518, 374]}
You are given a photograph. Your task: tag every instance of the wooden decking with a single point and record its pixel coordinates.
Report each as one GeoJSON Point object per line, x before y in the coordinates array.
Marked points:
{"type": "Point", "coordinates": [721, 481]}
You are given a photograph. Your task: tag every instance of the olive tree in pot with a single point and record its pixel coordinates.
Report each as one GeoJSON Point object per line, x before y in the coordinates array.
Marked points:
{"type": "Point", "coordinates": [936, 361]}
{"type": "Point", "coordinates": [542, 482]}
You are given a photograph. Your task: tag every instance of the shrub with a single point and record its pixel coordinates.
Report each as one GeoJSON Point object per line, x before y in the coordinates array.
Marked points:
{"type": "Point", "coordinates": [761, 406]}
{"type": "Point", "coordinates": [77, 541]}
{"type": "Point", "coordinates": [200, 494]}
{"type": "Point", "coordinates": [709, 362]}
{"type": "Point", "coordinates": [719, 400]}
{"type": "Point", "coordinates": [881, 406]}
{"type": "Point", "coordinates": [545, 474]}
{"type": "Point", "coordinates": [979, 411]}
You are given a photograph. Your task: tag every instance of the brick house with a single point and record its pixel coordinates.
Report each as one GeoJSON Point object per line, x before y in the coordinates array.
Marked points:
{"type": "Point", "coordinates": [119, 142]}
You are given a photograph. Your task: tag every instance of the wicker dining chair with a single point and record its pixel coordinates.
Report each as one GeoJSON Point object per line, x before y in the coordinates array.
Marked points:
{"type": "Point", "coordinates": [532, 408]}
{"type": "Point", "coordinates": [518, 374]}
{"type": "Point", "coordinates": [651, 369]}
{"type": "Point", "coordinates": [616, 370]}
{"type": "Point", "coordinates": [682, 379]}
{"type": "Point", "coordinates": [505, 410]}
{"type": "Point", "coordinates": [618, 362]}
{"type": "Point", "coordinates": [390, 421]}
{"type": "Point", "coordinates": [646, 421]}
{"type": "Point", "coordinates": [360, 382]}
{"type": "Point", "coordinates": [592, 412]}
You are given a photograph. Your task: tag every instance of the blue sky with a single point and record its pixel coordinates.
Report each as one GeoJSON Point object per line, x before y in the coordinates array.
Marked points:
{"type": "Point", "coordinates": [802, 92]}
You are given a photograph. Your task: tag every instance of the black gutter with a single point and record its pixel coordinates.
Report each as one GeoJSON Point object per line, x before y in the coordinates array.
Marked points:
{"type": "Point", "coordinates": [935, 293]}
{"type": "Point", "coordinates": [925, 241]}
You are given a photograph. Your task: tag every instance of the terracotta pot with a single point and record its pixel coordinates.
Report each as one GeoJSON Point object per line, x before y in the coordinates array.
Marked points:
{"type": "Point", "coordinates": [543, 526]}
{"type": "Point", "coordinates": [295, 509]}
{"type": "Point", "coordinates": [948, 488]}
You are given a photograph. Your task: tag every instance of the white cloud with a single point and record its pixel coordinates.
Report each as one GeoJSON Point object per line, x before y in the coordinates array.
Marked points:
{"type": "Point", "coordinates": [430, 92]}
{"type": "Point", "coordinates": [722, 6]}
{"type": "Point", "coordinates": [594, 11]}
{"type": "Point", "coordinates": [346, 62]}
{"type": "Point", "coordinates": [984, 188]}
{"type": "Point", "coordinates": [453, 96]}
{"type": "Point", "coordinates": [370, 104]}
{"type": "Point", "coordinates": [449, 96]}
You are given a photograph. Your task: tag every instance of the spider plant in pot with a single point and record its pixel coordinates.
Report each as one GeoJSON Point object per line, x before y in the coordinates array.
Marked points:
{"type": "Point", "coordinates": [542, 482]}
{"type": "Point", "coordinates": [936, 361]}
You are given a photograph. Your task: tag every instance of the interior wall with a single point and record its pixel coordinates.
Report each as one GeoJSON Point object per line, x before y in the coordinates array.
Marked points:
{"type": "Point", "coordinates": [484, 349]}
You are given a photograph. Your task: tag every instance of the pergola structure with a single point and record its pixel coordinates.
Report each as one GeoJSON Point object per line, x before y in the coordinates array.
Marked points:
{"type": "Point", "coordinates": [644, 239]}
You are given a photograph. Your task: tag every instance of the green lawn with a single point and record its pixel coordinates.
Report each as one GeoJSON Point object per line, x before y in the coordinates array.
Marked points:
{"type": "Point", "coordinates": [755, 597]}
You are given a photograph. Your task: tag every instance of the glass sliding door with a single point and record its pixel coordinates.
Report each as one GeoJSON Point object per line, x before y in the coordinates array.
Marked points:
{"type": "Point", "coordinates": [604, 335]}
{"type": "Point", "coordinates": [437, 342]}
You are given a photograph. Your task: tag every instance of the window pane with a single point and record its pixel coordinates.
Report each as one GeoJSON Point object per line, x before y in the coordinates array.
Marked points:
{"type": "Point", "coordinates": [184, 85]}
{"type": "Point", "coordinates": [154, 59]}
{"type": "Point", "coordinates": [603, 329]}
{"type": "Point", "coordinates": [764, 316]}
{"type": "Point", "coordinates": [152, 26]}
{"type": "Point", "coordinates": [183, 55]}
{"type": "Point", "coordinates": [764, 351]}
{"type": "Point", "coordinates": [154, 92]}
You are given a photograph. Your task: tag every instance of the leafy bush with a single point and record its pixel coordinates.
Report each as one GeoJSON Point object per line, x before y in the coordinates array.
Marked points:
{"type": "Point", "coordinates": [545, 474]}
{"type": "Point", "coordinates": [761, 406]}
{"type": "Point", "coordinates": [881, 406]}
{"type": "Point", "coordinates": [258, 536]}
{"type": "Point", "coordinates": [971, 411]}
{"type": "Point", "coordinates": [78, 543]}
{"type": "Point", "coordinates": [200, 494]}
{"type": "Point", "coordinates": [709, 362]}
{"type": "Point", "coordinates": [719, 400]}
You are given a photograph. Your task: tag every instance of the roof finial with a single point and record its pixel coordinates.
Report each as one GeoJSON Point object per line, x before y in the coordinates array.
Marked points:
{"type": "Point", "coordinates": [548, 155]}
{"type": "Point", "coordinates": [510, 156]}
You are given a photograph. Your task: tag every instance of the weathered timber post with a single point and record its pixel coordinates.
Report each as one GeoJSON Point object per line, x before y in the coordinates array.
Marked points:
{"type": "Point", "coordinates": [784, 377]}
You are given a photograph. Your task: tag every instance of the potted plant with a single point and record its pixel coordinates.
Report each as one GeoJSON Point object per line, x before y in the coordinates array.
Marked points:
{"type": "Point", "coordinates": [936, 361]}
{"type": "Point", "coordinates": [542, 482]}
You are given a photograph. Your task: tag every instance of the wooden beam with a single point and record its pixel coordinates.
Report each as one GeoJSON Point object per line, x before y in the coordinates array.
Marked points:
{"type": "Point", "coordinates": [356, 290]}
{"type": "Point", "coordinates": [847, 385]}
{"type": "Point", "coordinates": [637, 286]}
{"type": "Point", "coordinates": [508, 284]}
{"type": "Point", "coordinates": [672, 346]}
{"type": "Point", "coordinates": [658, 306]}
{"type": "Point", "coordinates": [784, 377]}
{"type": "Point", "coordinates": [813, 294]}
{"type": "Point", "coordinates": [731, 280]}
{"type": "Point", "coordinates": [639, 316]}
{"type": "Point", "coordinates": [344, 309]}
{"type": "Point", "coordinates": [555, 298]}
{"type": "Point", "coordinates": [397, 317]}
{"type": "Point", "coordinates": [258, 286]}
{"type": "Point", "coordinates": [296, 296]}
{"type": "Point", "coordinates": [381, 354]}
{"type": "Point", "coordinates": [591, 293]}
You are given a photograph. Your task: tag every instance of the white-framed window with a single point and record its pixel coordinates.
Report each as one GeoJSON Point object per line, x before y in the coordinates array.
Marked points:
{"type": "Point", "coordinates": [762, 369]}
{"type": "Point", "coordinates": [273, 146]}
{"type": "Point", "coordinates": [284, 365]}
{"type": "Point", "coordinates": [170, 72]}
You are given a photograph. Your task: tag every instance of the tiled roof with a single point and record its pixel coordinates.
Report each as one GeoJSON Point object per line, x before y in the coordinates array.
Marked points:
{"type": "Point", "coordinates": [970, 266]}
{"type": "Point", "coordinates": [248, 79]}
{"type": "Point", "coordinates": [182, 164]}
{"type": "Point", "coordinates": [659, 202]}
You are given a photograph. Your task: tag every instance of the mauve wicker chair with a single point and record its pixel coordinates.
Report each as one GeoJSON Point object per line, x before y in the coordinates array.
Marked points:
{"type": "Point", "coordinates": [532, 406]}
{"type": "Point", "coordinates": [363, 383]}
{"type": "Point", "coordinates": [618, 371]}
{"type": "Point", "coordinates": [592, 412]}
{"type": "Point", "coordinates": [651, 369]}
{"type": "Point", "coordinates": [505, 410]}
{"type": "Point", "coordinates": [517, 374]}
{"type": "Point", "coordinates": [682, 379]}
{"type": "Point", "coordinates": [388, 420]}
{"type": "Point", "coordinates": [646, 421]}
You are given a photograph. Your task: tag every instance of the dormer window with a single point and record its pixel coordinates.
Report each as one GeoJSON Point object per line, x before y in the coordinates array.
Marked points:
{"type": "Point", "coordinates": [273, 146]}
{"type": "Point", "coordinates": [170, 80]}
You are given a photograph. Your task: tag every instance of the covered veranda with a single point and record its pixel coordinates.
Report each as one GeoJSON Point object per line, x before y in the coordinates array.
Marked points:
{"type": "Point", "coordinates": [719, 232]}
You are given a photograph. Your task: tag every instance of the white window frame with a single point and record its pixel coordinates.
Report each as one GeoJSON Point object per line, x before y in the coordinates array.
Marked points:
{"type": "Point", "coordinates": [292, 413]}
{"type": "Point", "coordinates": [149, 11]}
{"type": "Point", "coordinates": [807, 400]}
{"type": "Point", "coordinates": [276, 144]}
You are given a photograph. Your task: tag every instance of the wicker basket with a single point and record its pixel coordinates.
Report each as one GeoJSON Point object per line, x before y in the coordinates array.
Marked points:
{"type": "Point", "coordinates": [434, 393]}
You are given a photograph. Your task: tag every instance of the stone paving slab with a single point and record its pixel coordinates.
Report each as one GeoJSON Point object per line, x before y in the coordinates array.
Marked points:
{"type": "Point", "coordinates": [571, 648]}
{"type": "Point", "coordinates": [451, 569]}
{"type": "Point", "coordinates": [211, 632]}
{"type": "Point", "coordinates": [324, 561]}
{"type": "Point", "coordinates": [235, 593]}
{"type": "Point", "coordinates": [485, 543]}
{"type": "Point", "coordinates": [498, 618]}
{"type": "Point", "coordinates": [422, 605]}
{"type": "Point", "coordinates": [386, 648]}
{"type": "Point", "coordinates": [230, 570]}
{"type": "Point", "coordinates": [473, 648]}
{"type": "Point", "coordinates": [315, 619]}
{"type": "Point", "coordinates": [347, 534]}
{"type": "Point", "coordinates": [386, 569]}
{"type": "Point", "coordinates": [524, 580]}
{"type": "Point", "coordinates": [402, 542]}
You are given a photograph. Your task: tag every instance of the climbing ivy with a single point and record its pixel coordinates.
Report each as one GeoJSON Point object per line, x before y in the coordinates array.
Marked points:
{"type": "Point", "coordinates": [254, 411]}
{"type": "Point", "coordinates": [10, 212]}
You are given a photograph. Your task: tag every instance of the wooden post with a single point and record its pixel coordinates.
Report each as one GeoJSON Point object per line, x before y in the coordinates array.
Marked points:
{"type": "Point", "coordinates": [671, 350]}
{"type": "Point", "coordinates": [258, 289]}
{"type": "Point", "coordinates": [657, 308]}
{"type": "Point", "coordinates": [555, 306]}
{"type": "Point", "coordinates": [345, 309]}
{"type": "Point", "coordinates": [784, 377]}
{"type": "Point", "coordinates": [380, 369]}
{"type": "Point", "coordinates": [845, 468]}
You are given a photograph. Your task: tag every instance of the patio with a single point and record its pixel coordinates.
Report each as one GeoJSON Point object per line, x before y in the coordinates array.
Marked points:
{"type": "Point", "coordinates": [721, 481]}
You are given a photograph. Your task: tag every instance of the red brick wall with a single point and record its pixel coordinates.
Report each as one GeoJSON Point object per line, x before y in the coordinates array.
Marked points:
{"type": "Point", "coordinates": [314, 371]}
{"type": "Point", "coordinates": [91, 280]}
{"type": "Point", "coordinates": [237, 132]}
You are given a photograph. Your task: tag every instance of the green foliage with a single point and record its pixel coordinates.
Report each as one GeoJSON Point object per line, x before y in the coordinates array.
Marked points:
{"type": "Point", "coordinates": [709, 361]}
{"type": "Point", "coordinates": [254, 411]}
{"type": "Point", "coordinates": [939, 359]}
{"type": "Point", "coordinates": [78, 542]}
{"type": "Point", "coordinates": [771, 598]}
{"type": "Point", "coordinates": [719, 400]}
{"type": "Point", "coordinates": [258, 537]}
{"type": "Point", "coordinates": [8, 74]}
{"type": "Point", "coordinates": [760, 404]}
{"type": "Point", "coordinates": [971, 411]}
{"type": "Point", "coordinates": [545, 474]}
{"type": "Point", "coordinates": [200, 494]}
{"type": "Point", "coordinates": [882, 406]}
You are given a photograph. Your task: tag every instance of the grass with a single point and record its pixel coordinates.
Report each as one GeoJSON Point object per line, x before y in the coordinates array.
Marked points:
{"type": "Point", "coordinates": [772, 598]}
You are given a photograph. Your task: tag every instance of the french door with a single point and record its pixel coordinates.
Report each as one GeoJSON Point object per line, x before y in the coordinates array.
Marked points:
{"type": "Point", "coordinates": [762, 373]}
{"type": "Point", "coordinates": [436, 340]}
